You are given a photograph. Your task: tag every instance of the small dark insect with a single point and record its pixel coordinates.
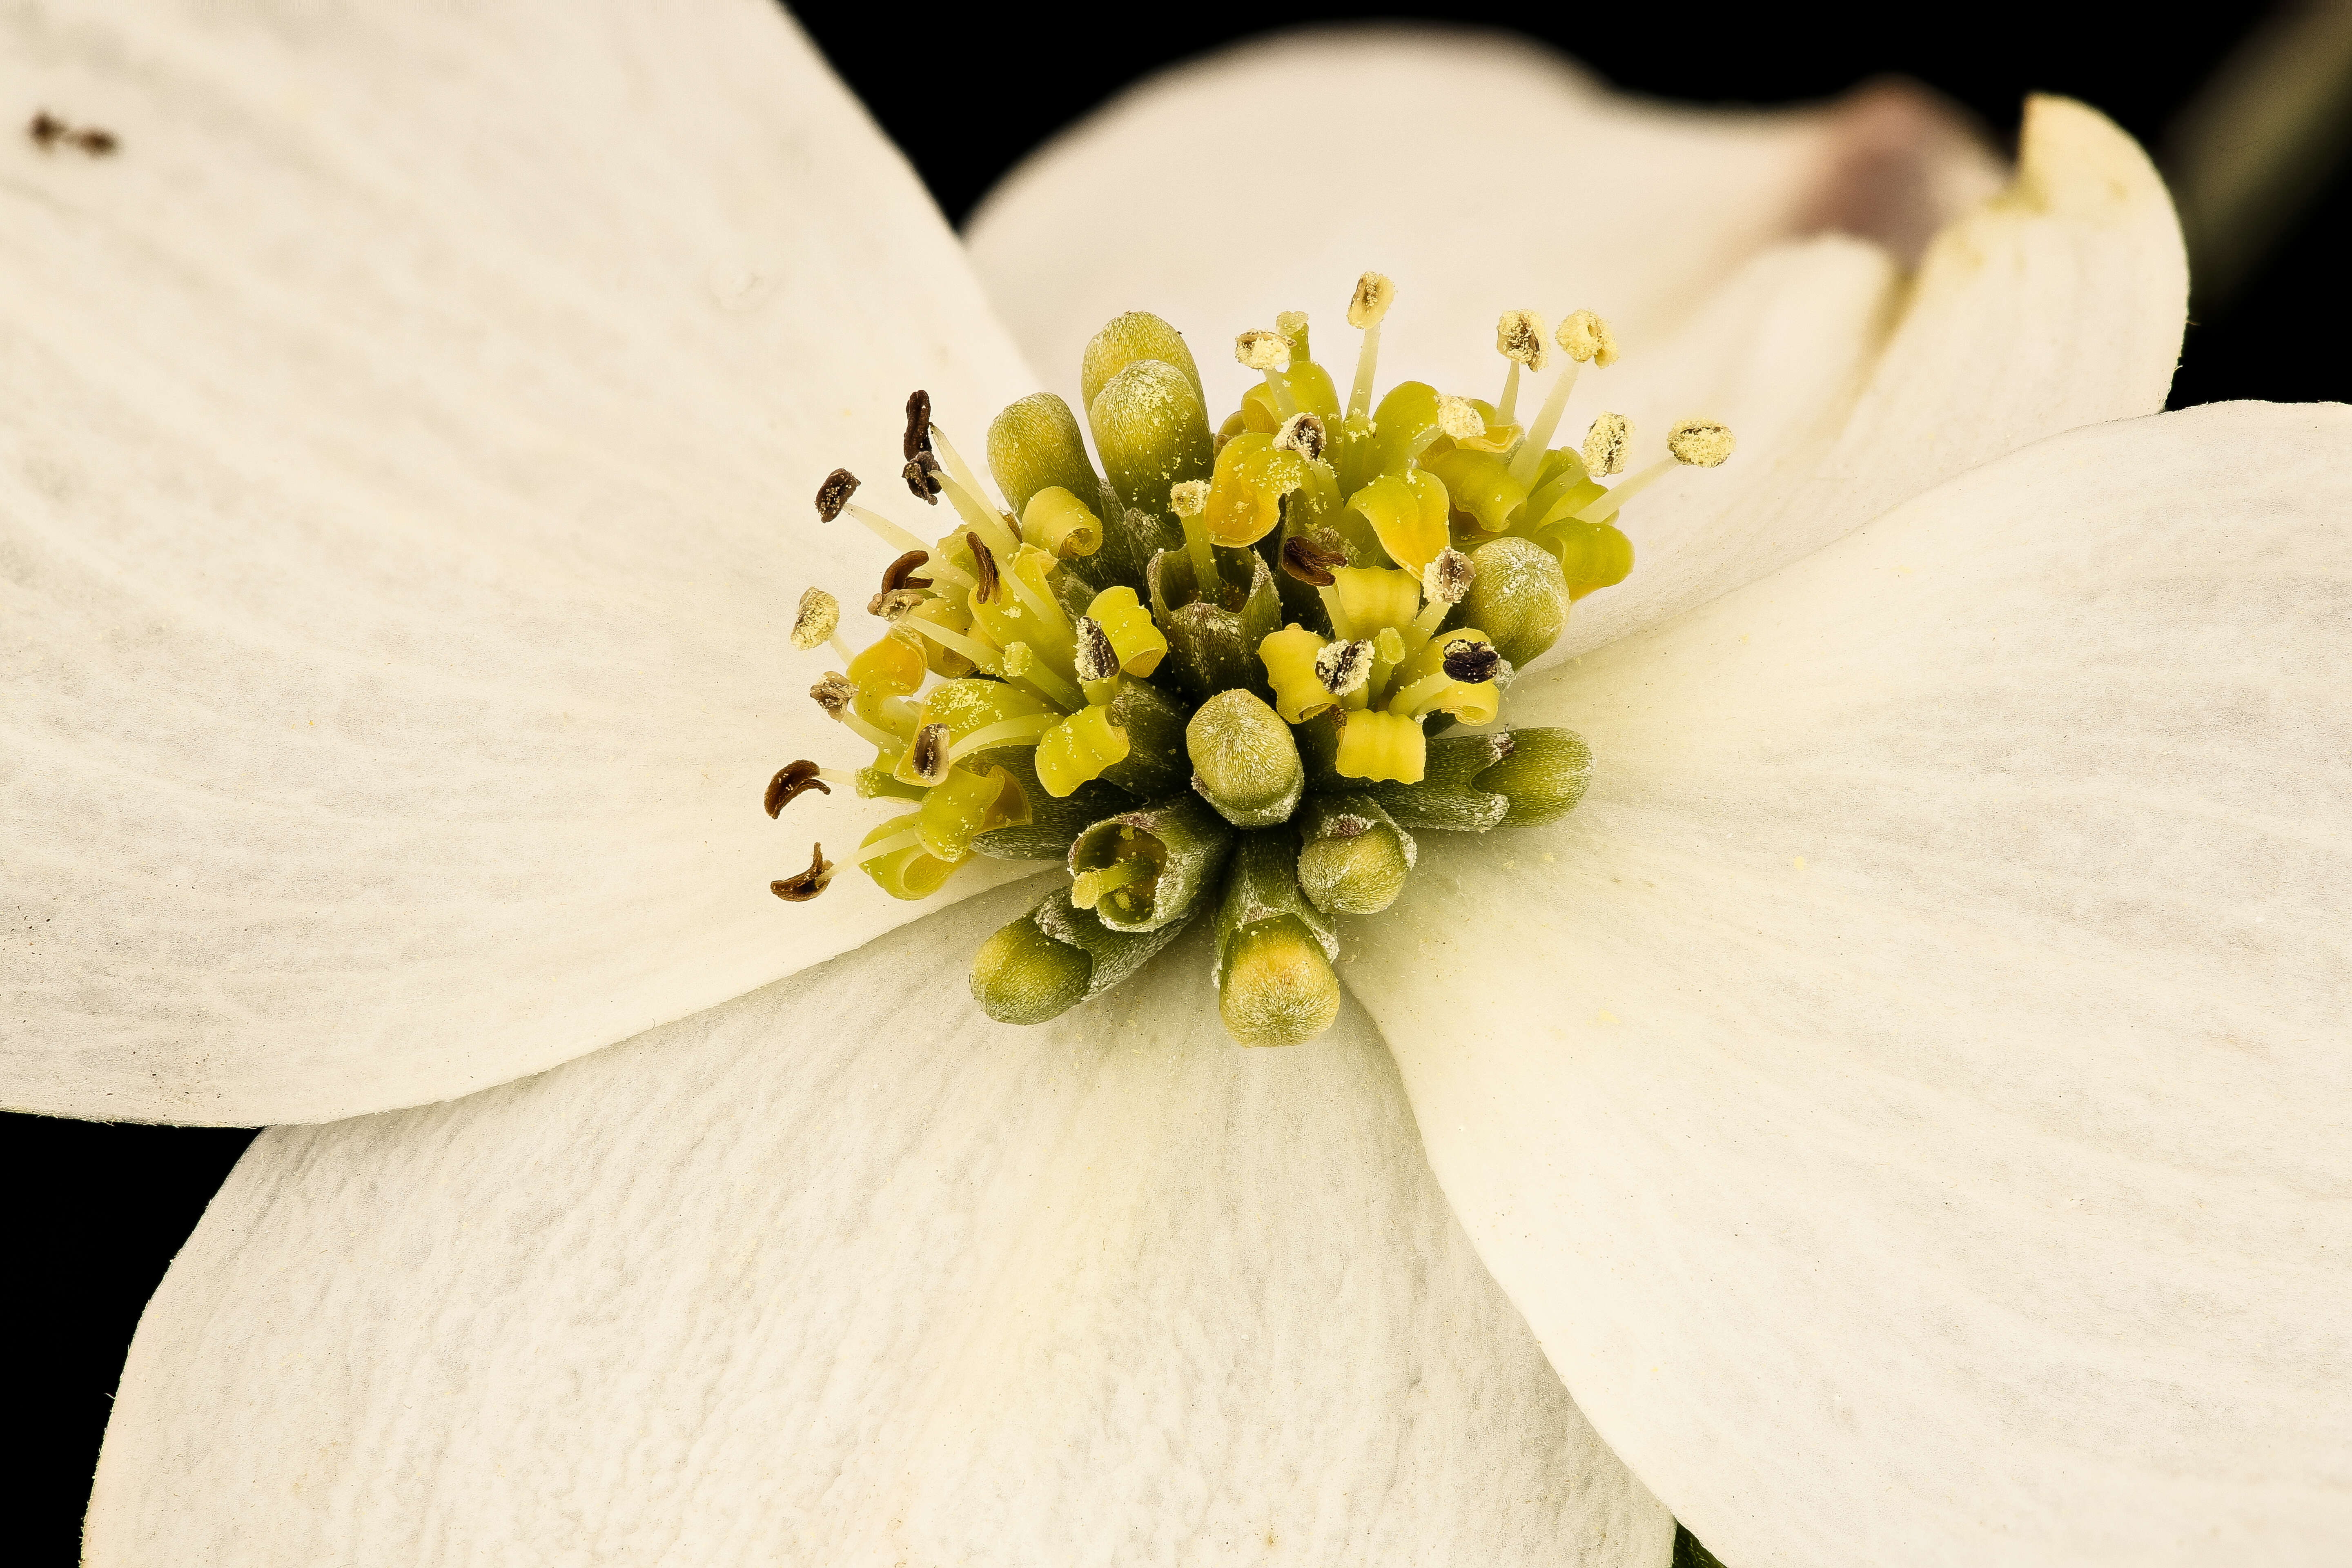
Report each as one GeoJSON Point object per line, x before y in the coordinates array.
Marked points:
{"type": "Point", "coordinates": [1471, 662]}
{"type": "Point", "coordinates": [900, 573]}
{"type": "Point", "coordinates": [800, 888]}
{"type": "Point", "coordinates": [984, 566]}
{"type": "Point", "coordinates": [47, 132]}
{"type": "Point", "coordinates": [1310, 562]}
{"type": "Point", "coordinates": [792, 781]}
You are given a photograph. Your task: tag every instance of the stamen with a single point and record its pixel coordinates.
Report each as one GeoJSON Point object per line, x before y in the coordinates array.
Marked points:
{"type": "Point", "coordinates": [1606, 443]}
{"type": "Point", "coordinates": [1292, 324]}
{"type": "Point", "coordinates": [928, 756]}
{"type": "Point", "coordinates": [1344, 667]}
{"type": "Point", "coordinates": [1094, 655]}
{"type": "Point", "coordinates": [1027, 727]}
{"type": "Point", "coordinates": [1519, 339]}
{"type": "Point", "coordinates": [1302, 433]}
{"type": "Point", "coordinates": [794, 779]}
{"type": "Point", "coordinates": [900, 573]}
{"type": "Point", "coordinates": [1700, 443]}
{"type": "Point", "coordinates": [909, 839]}
{"type": "Point", "coordinates": [818, 620]}
{"type": "Point", "coordinates": [1458, 417]}
{"type": "Point", "coordinates": [1694, 443]}
{"type": "Point", "coordinates": [988, 588]}
{"type": "Point", "coordinates": [1310, 558]}
{"type": "Point", "coordinates": [1262, 351]}
{"type": "Point", "coordinates": [1585, 336]}
{"type": "Point", "coordinates": [1189, 499]}
{"type": "Point", "coordinates": [1374, 294]}
{"type": "Point", "coordinates": [890, 534]}
{"type": "Point", "coordinates": [834, 493]}
{"type": "Point", "coordinates": [894, 604]}
{"type": "Point", "coordinates": [1448, 577]}
{"type": "Point", "coordinates": [1087, 888]}
{"type": "Point", "coordinates": [835, 694]}
{"type": "Point", "coordinates": [800, 888]}
{"type": "Point", "coordinates": [922, 476]}
{"type": "Point", "coordinates": [1022, 664]}
{"type": "Point", "coordinates": [918, 437]}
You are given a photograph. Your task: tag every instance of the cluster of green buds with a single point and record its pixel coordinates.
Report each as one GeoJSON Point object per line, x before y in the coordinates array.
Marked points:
{"type": "Point", "coordinates": [1216, 675]}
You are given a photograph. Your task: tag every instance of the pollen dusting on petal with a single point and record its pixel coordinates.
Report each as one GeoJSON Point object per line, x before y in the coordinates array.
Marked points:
{"type": "Point", "coordinates": [918, 437]}
{"type": "Point", "coordinates": [1312, 558]}
{"type": "Point", "coordinates": [1189, 498]}
{"type": "Point", "coordinates": [1375, 292]}
{"type": "Point", "coordinates": [1343, 665]}
{"type": "Point", "coordinates": [819, 615]}
{"type": "Point", "coordinates": [833, 693]}
{"type": "Point", "coordinates": [1448, 576]}
{"type": "Point", "coordinates": [1701, 443]}
{"type": "Point", "coordinates": [1585, 336]}
{"type": "Point", "coordinates": [834, 493]}
{"type": "Point", "coordinates": [1302, 433]}
{"type": "Point", "coordinates": [1459, 418]}
{"type": "Point", "coordinates": [792, 781]}
{"type": "Point", "coordinates": [984, 568]}
{"type": "Point", "coordinates": [1519, 335]}
{"type": "Point", "coordinates": [1263, 350]}
{"type": "Point", "coordinates": [1605, 443]}
{"type": "Point", "coordinates": [800, 888]}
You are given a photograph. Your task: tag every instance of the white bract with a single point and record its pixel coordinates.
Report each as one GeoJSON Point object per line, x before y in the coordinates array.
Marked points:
{"type": "Point", "coordinates": [1907, 1100]}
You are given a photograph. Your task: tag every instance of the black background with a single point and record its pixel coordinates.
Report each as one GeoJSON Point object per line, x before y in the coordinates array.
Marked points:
{"type": "Point", "coordinates": [99, 1211]}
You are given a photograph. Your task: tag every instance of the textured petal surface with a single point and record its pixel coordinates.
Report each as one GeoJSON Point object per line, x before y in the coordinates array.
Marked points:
{"type": "Point", "coordinates": [409, 437]}
{"type": "Point", "coordinates": [840, 1273]}
{"type": "Point", "coordinates": [1909, 1096]}
{"type": "Point", "coordinates": [1482, 172]}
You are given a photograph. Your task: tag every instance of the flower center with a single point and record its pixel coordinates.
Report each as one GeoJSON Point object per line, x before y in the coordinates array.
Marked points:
{"type": "Point", "coordinates": [1216, 676]}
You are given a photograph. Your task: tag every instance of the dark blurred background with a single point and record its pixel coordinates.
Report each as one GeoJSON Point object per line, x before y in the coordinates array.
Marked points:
{"type": "Point", "coordinates": [2247, 109]}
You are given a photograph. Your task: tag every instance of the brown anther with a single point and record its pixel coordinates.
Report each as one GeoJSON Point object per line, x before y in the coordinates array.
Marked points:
{"type": "Point", "coordinates": [1448, 576]}
{"type": "Point", "coordinates": [983, 566]}
{"type": "Point", "coordinates": [792, 781]}
{"type": "Point", "coordinates": [833, 693]}
{"type": "Point", "coordinates": [927, 753]}
{"type": "Point", "coordinates": [1471, 662]}
{"type": "Point", "coordinates": [894, 604]}
{"type": "Point", "coordinates": [1343, 665]}
{"type": "Point", "coordinates": [918, 437]}
{"type": "Point", "coordinates": [922, 476]}
{"type": "Point", "coordinates": [1094, 657]}
{"type": "Point", "coordinates": [47, 130]}
{"type": "Point", "coordinates": [96, 140]}
{"type": "Point", "coordinates": [834, 493]}
{"type": "Point", "coordinates": [1302, 433]}
{"type": "Point", "coordinates": [1310, 559]}
{"type": "Point", "coordinates": [900, 573]}
{"type": "Point", "coordinates": [800, 889]}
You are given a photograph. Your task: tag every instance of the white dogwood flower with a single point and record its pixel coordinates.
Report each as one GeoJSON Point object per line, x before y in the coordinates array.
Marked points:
{"type": "Point", "coordinates": [1905, 1102]}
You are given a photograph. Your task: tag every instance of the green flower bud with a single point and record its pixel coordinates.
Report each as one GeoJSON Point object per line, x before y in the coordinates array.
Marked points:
{"type": "Point", "coordinates": [1274, 982]}
{"type": "Point", "coordinates": [1141, 871]}
{"type": "Point", "coordinates": [1518, 597]}
{"type": "Point", "coordinates": [1353, 857]}
{"type": "Point", "coordinates": [1543, 775]}
{"type": "Point", "coordinates": [1054, 957]}
{"type": "Point", "coordinates": [1033, 444]}
{"type": "Point", "coordinates": [1153, 434]}
{"type": "Point", "coordinates": [1243, 761]}
{"type": "Point", "coordinates": [1124, 340]}
{"type": "Point", "coordinates": [1446, 798]}
{"type": "Point", "coordinates": [1210, 647]}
